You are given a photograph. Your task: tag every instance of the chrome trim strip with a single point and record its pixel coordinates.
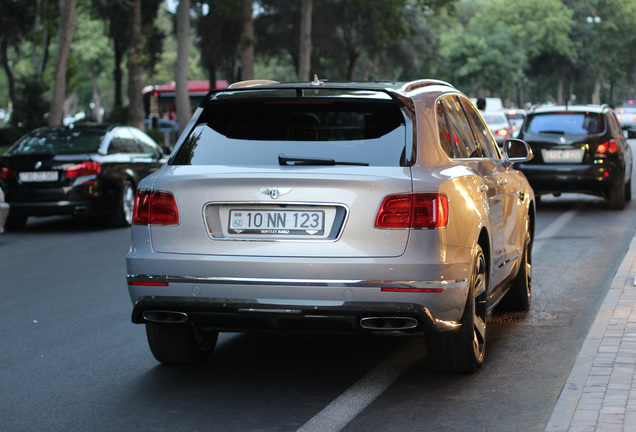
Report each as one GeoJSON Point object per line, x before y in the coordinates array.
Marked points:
{"type": "Point", "coordinates": [348, 283]}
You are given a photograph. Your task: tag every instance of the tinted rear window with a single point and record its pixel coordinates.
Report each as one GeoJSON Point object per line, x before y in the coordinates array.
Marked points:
{"type": "Point", "coordinates": [59, 141]}
{"type": "Point", "coordinates": [495, 118]}
{"type": "Point", "coordinates": [575, 123]}
{"type": "Point", "coordinates": [256, 132]}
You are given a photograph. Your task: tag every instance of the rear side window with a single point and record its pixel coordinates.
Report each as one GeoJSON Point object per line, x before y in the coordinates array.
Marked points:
{"type": "Point", "coordinates": [575, 123]}
{"type": "Point", "coordinates": [256, 132]}
{"type": "Point", "coordinates": [456, 136]}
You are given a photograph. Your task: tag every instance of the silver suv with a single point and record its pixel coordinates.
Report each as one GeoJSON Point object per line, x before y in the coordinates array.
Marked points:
{"type": "Point", "coordinates": [332, 207]}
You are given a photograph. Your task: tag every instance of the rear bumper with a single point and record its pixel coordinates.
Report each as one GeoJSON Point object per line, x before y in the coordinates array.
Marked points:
{"type": "Point", "coordinates": [288, 305]}
{"type": "Point", "coordinates": [347, 317]}
{"type": "Point", "coordinates": [553, 178]}
{"type": "Point", "coordinates": [64, 207]}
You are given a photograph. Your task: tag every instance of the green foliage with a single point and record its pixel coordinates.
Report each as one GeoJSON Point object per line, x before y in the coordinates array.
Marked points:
{"type": "Point", "coordinates": [522, 50]}
{"type": "Point", "coordinates": [30, 109]}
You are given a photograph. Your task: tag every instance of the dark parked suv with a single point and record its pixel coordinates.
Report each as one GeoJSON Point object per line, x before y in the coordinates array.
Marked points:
{"type": "Point", "coordinates": [578, 149]}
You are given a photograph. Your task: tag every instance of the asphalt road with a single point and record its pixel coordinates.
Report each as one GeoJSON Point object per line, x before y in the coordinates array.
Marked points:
{"type": "Point", "coordinates": [71, 360]}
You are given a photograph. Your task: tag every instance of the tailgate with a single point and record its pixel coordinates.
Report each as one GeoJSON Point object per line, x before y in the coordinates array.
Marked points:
{"type": "Point", "coordinates": [287, 211]}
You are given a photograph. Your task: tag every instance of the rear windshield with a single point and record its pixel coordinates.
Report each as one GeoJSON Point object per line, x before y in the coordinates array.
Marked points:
{"type": "Point", "coordinates": [495, 118]}
{"type": "Point", "coordinates": [575, 123]}
{"type": "Point", "coordinates": [59, 141]}
{"type": "Point", "coordinates": [369, 132]}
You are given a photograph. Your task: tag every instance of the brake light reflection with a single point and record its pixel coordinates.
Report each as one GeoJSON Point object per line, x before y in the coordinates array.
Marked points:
{"type": "Point", "coordinates": [84, 169]}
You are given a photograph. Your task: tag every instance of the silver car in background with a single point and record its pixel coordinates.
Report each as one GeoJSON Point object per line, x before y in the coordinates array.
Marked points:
{"type": "Point", "coordinates": [324, 207]}
{"type": "Point", "coordinates": [499, 126]}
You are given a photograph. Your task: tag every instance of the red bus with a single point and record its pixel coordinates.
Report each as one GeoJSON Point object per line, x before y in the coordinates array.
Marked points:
{"type": "Point", "coordinates": [164, 97]}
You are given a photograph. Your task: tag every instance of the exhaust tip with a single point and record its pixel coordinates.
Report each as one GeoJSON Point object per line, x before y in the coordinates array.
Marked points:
{"type": "Point", "coordinates": [388, 323]}
{"type": "Point", "coordinates": [168, 317]}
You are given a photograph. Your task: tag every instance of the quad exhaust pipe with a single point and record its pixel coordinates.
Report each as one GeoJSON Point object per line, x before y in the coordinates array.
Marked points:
{"type": "Point", "coordinates": [168, 317]}
{"type": "Point", "coordinates": [388, 323]}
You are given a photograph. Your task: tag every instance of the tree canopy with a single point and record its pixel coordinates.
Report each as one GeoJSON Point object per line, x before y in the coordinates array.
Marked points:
{"type": "Point", "coordinates": [524, 51]}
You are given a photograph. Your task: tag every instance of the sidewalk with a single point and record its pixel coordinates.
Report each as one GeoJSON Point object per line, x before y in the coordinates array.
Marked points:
{"type": "Point", "coordinates": [600, 393]}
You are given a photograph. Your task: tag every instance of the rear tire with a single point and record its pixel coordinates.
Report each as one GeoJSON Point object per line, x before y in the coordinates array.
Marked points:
{"type": "Point", "coordinates": [180, 344]}
{"type": "Point", "coordinates": [519, 295]}
{"type": "Point", "coordinates": [124, 213]}
{"type": "Point", "coordinates": [463, 350]}
{"type": "Point", "coordinates": [16, 222]}
{"type": "Point", "coordinates": [617, 196]}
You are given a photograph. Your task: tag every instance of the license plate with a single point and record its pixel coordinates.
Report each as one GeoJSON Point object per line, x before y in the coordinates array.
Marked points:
{"type": "Point", "coordinates": [569, 155]}
{"type": "Point", "coordinates": [38, 176]}
{"type": "Point", "coordinates": [277, 222]}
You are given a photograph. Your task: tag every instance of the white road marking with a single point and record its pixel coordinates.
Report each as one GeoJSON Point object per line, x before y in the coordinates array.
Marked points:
{"type": "Point", "coordinates": [347, 406]}
{"type": "Point", "coordinates": [552, 229]}
{"type": "Point", "coordinates": [335, 416]}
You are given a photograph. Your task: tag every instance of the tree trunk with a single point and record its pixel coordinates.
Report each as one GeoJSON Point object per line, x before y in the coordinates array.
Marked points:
{"type": "Point", "coordinates": [8, 69]}
{"type": "Point", "coordinates": [304, 60]}
{"type": "Point", "coordinates": [65, 37]}
{"type": "Point", "coordinates": [596, 96]}
{"type": "Point", "coordinates": [247, 41]}
{"type": "Point", "coordinates": [560, 100]}
{"type": "Point", "coordinates": [135, 99]}
{"type": "Point", "coordinates": [182, 97]}
{"type": "Point", "coordinates": [96, 108]}
{"type": "Point", "coordinates": [117, 75]}
{"type": "Point", "coordinates": [39, 61]}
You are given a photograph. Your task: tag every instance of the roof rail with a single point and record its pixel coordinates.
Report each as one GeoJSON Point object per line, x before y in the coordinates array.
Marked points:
{"type": "Point", "coordinates": [251, 83]}
{"type": "Point", "coordinates": [413, 85]}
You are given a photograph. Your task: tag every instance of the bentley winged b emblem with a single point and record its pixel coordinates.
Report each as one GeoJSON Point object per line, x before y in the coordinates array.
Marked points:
{"type": "Point", "coordinates": [274, 192]}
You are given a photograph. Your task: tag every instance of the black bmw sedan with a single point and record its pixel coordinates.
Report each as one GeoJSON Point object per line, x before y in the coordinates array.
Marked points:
{"type": "Point", "coordinates": [84, 170]}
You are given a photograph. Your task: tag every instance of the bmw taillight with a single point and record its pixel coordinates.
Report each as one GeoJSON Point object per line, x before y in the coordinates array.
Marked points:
{"type": "Point", "coordinates": [6, 173]}
{"type": "Point", "coordinates": [413, 211]}
{"type": "Point", "coordinates": [84, 169]}
{"type": "Point", "coordinates": [155, 208]}
{"type": "Point", "coordinates": [608, 147]}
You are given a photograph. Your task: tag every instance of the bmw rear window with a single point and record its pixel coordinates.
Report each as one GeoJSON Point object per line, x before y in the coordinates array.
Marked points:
{"type": "Point", "coordinates": [258, 132]}
{"type": "Point", "coordinates": [565, 123]}
{"type": "Point", "coordinates": [59, 141]}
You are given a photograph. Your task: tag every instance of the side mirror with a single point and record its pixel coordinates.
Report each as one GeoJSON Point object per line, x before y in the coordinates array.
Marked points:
{"type": "Point", "coordinates": [516, 150]}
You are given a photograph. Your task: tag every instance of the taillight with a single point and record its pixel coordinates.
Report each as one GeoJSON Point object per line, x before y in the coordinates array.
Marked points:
{"type": "Point", "coordinates": [84, 169]}
{"type": "Point", "coordinates": [413, 211]}
{"type": "Point", "coordinates": [155, 208]}
{"type": "Point", "coordinates": [502, 132]}
{"type": "Point", "coordinates": [6, 173]}
{"type": "Point", "coordinates": [607, 147]}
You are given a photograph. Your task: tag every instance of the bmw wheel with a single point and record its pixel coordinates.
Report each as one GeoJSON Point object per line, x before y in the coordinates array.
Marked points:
{"type": "Point", "coordinates": [124, 213]}
{"type": "Point", "coordinates": [463, 350]}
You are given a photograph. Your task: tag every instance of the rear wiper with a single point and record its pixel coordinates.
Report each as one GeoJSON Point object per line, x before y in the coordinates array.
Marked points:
{"type": "Point", "coordinates": [556, 132]}
{"type": "Point", "coordinates": [303, 160]}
